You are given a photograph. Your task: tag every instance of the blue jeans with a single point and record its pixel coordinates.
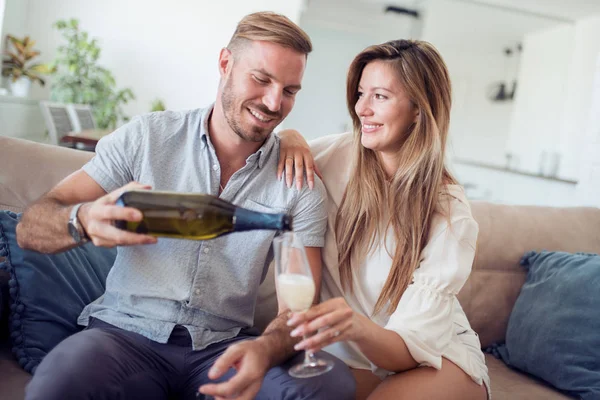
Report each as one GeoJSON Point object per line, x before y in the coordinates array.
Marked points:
{"type": "Point", "coordinates": [106, 362]}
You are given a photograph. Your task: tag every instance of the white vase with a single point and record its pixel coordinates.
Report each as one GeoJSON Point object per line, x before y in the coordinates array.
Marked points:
{"type": "Point", "coordinates": [20, 88]}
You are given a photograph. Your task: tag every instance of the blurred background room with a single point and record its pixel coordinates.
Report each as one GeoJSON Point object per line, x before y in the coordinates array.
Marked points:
{"type": "Point", "coordinates": [525, 126]}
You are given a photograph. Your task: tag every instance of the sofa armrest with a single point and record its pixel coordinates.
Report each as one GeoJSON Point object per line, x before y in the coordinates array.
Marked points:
{"type": "Point", "coordinates": [29, 169]}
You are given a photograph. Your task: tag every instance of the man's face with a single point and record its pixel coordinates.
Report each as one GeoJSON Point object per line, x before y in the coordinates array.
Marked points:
{"type": "Point", "coordinates": [259, 87]}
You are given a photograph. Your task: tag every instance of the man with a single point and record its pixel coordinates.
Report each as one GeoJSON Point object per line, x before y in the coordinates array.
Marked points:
{"type": "Point", "coordinates": [175, 313]}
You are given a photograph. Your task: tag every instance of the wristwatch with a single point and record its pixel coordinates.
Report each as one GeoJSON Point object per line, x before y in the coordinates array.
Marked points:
{"type": "Point", "coordinates": [75, 228]}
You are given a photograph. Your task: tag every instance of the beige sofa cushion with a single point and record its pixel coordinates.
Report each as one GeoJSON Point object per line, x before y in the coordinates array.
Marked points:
{"type": "Point", "coordinates": [508, 384]}
{"type": "Point", "coordinates": [505, 234]}
{"type": "Point", "coordinates": [29, 169]}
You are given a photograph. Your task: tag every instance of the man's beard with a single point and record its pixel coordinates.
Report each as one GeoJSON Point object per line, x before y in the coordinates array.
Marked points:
{"type": "Point", "coordinates": [234, 116]}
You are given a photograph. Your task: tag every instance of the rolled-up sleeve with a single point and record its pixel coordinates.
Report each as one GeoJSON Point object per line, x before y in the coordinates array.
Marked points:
{"type": "Point", "coordinates": [117, 156]}
{"type": "Point", "coordinates": [423, 317]}
{"type": "Point", "coordinates": [310, 214]}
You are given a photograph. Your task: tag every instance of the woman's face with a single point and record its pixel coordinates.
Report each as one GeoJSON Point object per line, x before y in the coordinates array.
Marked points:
{"type": "Point", "coordinates": [385, 112]}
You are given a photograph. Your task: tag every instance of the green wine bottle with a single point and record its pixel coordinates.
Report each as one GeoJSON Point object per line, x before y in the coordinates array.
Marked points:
{"type": "Point", "coordinates": [193, 216]}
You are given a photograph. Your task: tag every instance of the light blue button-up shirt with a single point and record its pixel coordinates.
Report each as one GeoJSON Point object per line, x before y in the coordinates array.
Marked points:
{"type": "Point", "coordinates": [210, 287]}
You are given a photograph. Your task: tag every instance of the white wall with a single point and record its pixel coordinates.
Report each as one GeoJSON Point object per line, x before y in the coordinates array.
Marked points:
{"type": "Point", "coordinates": [553, 111]}
{"type": "Point", "coordinates": [2, 6]}
{"type": "Point", "coordinates": [471, 39]}
{"type": "Point", "coordinates": [540, 101]}
{"type": "Point", "coordinates": [581, 128]}
{"type": "Point", "coordinates": [478, 126]}
{"type": "Point", "coordinates": [165, 50]}
{"type": "Point", "coordinates": [320, 107]}
{"type": "Point", "coordinates": [15, 17]}
{"type": "Point", "coordinates": [553, 103]}
{"type": "Point", "coordinates": [589, 184]}
{"type": "Point", "coordinates": [339, 31]}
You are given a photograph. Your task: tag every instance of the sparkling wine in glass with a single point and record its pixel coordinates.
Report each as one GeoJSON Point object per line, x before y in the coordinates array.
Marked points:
{"type": "Point", "coordinates": [296, 287]}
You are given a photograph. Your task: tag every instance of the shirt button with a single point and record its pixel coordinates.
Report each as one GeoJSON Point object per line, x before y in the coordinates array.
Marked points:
{"type": "Point", "coordinates": [215, 167]}
{"type": "Point", "coordinates": [206, 250]}
{"type": "Point", "coordinates": [197, 291]}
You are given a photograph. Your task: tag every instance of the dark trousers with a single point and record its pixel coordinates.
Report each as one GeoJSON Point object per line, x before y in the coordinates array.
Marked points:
{"type": "Point", "coordinates": [106, 362]}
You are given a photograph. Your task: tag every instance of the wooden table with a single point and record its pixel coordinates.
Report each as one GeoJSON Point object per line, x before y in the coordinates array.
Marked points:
{"type": "Point", "coordinates": [84, 140]}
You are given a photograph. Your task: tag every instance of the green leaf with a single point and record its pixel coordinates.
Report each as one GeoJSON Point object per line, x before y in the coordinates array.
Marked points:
{"type": "Point", "coordinates": [80, 79]}
{"type": "Point", "coordinates": [42, 69]}
{"type": "Point", "coordinates": [18, 60]}
{"type": "Point", "coordinates": [157, 105]}
{"type": "Point", "coordinates": [19, 46]}
{"type": "Point", "coordinates": [16, 74]}
{"type": "Point", "coordinates": [35, 78]}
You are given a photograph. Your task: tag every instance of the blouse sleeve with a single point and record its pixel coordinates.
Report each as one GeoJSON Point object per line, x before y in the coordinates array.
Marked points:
{"type": "Point", "coordinates": [424, 316]}
{"type": "Point", "coordinates": [332, 155]}
{"type": "Point", "coordinates": [328, 142]}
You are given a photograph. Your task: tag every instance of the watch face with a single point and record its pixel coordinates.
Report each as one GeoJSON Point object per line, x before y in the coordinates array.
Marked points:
{"type": "Point", "coordinates": [74, 233]}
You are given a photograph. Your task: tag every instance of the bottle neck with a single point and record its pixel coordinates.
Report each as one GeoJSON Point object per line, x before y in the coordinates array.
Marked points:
{"type": "Point", "coordinates": [245, 220]}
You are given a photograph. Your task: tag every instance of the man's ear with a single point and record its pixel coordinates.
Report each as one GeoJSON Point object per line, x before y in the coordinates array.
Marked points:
{"type": "Point", "coordinates": [225, 61]}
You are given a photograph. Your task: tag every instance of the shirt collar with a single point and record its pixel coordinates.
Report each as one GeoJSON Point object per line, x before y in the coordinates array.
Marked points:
{"type": "Point", "coordinates": [265, 150]}
{"type": "Point", "coordinates": [204, 139]}
{"type": "Point", "coordinates": [260, 156]}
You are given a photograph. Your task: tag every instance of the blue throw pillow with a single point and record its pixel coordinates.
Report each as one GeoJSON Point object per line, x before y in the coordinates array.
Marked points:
{"type": "Point", "coordinates": [554, 328]}
{"type": "Point", "coordinates": [48, 292]}
{"type": "Point", "coordinates": [3, 291]}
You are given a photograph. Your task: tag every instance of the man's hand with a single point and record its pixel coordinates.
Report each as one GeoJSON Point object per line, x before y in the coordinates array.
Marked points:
{"type": "Point", "coordinates": [250, 359]}
{"type": "Point", "coordinates": [97, 219]}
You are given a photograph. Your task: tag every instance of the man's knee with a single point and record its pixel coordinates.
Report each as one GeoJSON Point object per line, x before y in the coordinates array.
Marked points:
{"type": "Point", "coordinates": [338, 384]}
{"type": "Point", "coordinates": [57, 387]}
{"type": "Point", "coordinates": [75, 367]}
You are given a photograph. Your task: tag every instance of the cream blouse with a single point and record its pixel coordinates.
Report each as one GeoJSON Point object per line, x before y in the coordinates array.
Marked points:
{"type": "Point", "coordinates": [429, 317]}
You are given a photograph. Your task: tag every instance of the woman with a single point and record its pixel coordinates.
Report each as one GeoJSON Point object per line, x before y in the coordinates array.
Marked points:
{"type": "Point", "coordinates": [401, 238]}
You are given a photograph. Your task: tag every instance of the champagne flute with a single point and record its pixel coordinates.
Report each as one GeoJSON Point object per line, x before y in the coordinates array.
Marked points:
{"type": "Point", "coordinates": [296, 287]}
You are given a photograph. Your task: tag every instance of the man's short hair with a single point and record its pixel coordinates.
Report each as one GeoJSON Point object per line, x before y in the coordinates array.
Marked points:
{"type": "Point", "coordinates": [270, 27]}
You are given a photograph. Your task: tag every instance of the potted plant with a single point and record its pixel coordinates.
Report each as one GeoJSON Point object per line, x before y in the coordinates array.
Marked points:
{"type": "Point", "coordinates": [80, 79]}
{"type": "Point", "coordinates": [158, 105]}
{"type": "Point", "coordinates": [20, 67]}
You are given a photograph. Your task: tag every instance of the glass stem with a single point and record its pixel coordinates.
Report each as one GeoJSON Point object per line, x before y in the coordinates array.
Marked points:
{"type": "Point", "coordinates": [309, 356]}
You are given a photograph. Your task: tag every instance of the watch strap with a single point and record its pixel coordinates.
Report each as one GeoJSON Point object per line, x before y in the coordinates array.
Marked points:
{"type": "Point", "coordinates": [76, 222]}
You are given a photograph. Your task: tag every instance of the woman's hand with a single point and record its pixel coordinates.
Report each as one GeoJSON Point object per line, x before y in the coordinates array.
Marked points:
{"type": "Point", "coordinates": [294, 154]}
{"type": "Point", "coordinates": [331, 321]}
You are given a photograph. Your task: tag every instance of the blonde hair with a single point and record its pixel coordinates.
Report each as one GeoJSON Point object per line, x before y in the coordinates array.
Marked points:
{"type": "Point", "coordinates": [270, 27]}
{"type": "Point", "coordinates": [413, 194]}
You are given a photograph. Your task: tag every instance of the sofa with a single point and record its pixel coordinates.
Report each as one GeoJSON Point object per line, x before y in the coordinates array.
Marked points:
{"type": "Point", "coordinates": [29, 169]}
